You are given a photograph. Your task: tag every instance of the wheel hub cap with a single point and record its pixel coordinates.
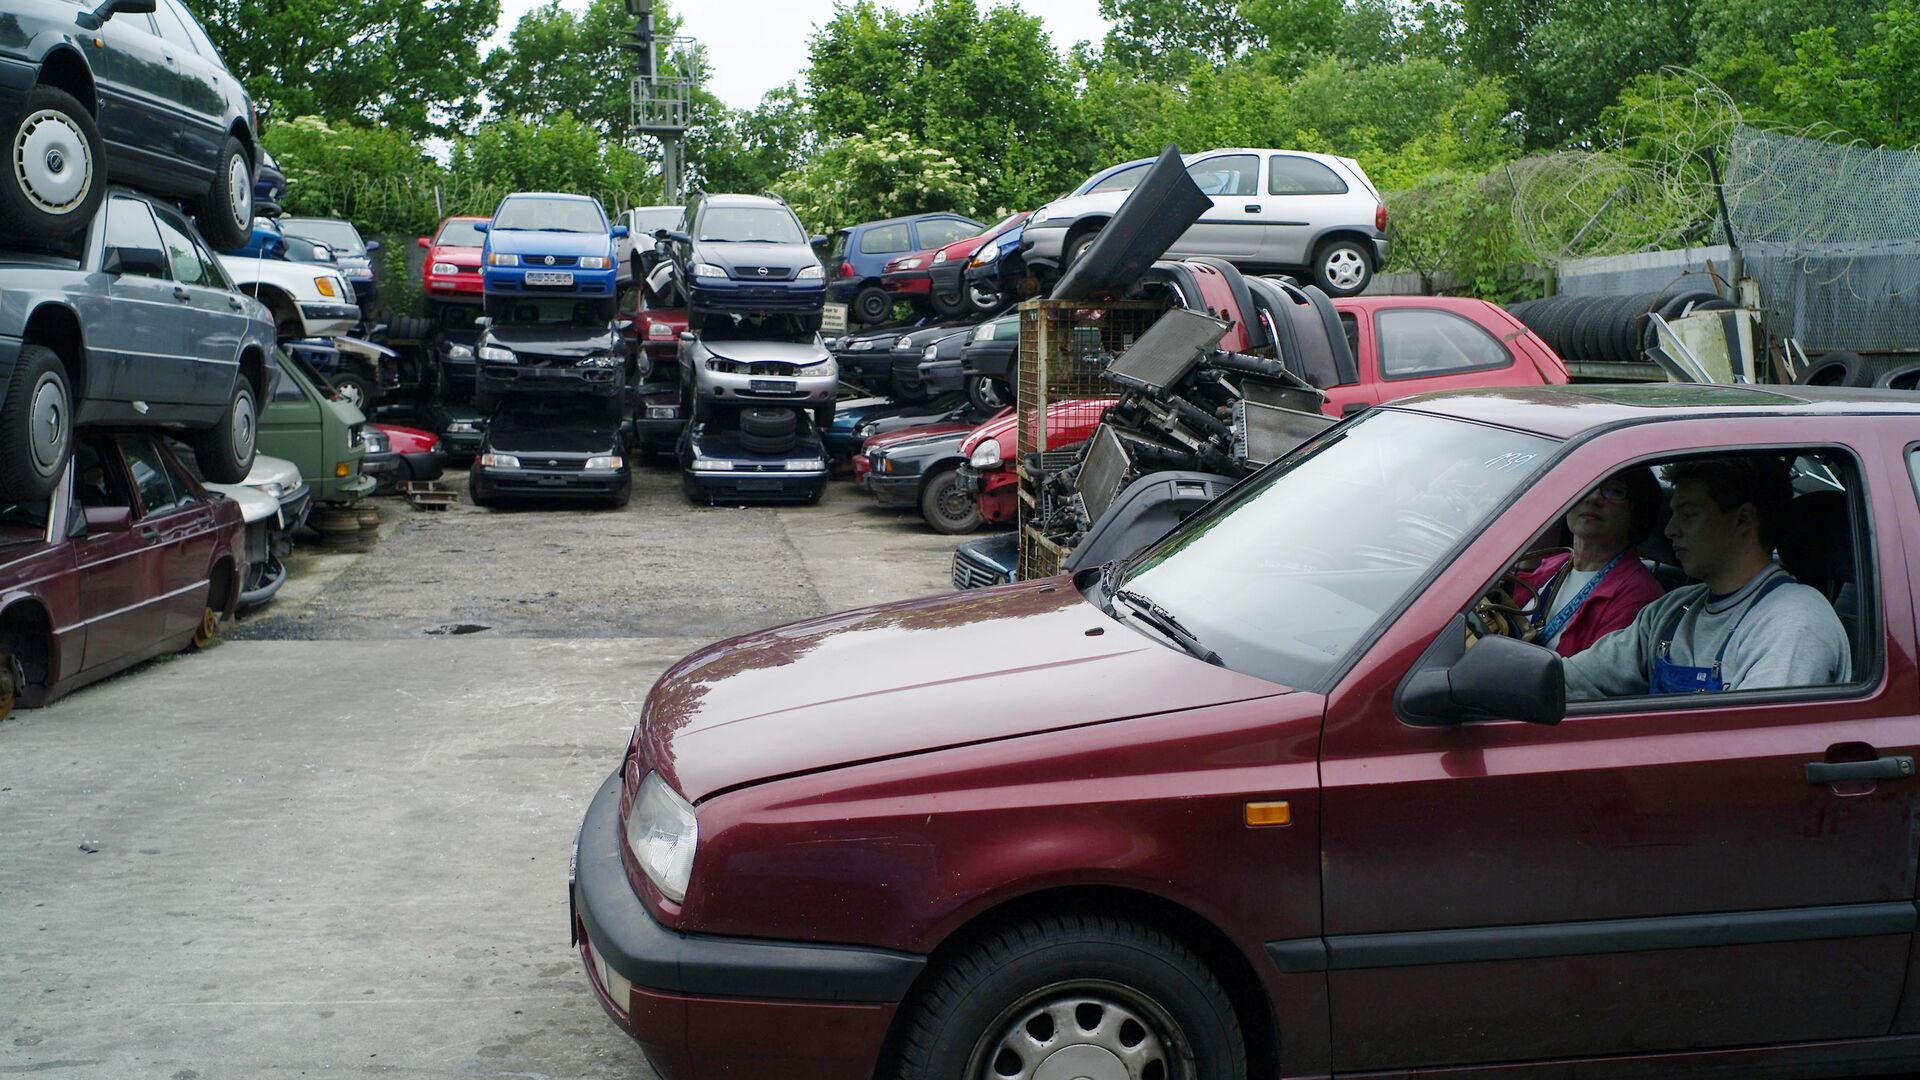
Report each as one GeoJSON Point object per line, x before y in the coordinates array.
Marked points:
{"type": "Point", "coordinates": [1080, 1038]}
{"type": "Point", "coordinates": [240, 190]}
{"type": "Point", "coordinates": [51, 163]}
{"type": "Point", "coordinates": [1344, 269]}
{"type": "Point", "coordinates": [243, 426]}
{"type": "Point", "coordinates": [47, 441]}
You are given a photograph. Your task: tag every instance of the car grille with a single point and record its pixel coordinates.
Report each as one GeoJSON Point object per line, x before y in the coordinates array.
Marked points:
{"type": "Point", "coordinates": [773, 273]}
{"type": "Point", "coordinates": [774, 367]}
{"type": "Point", "coordinates": [968, 574]}
{"type": "Point", "coordinates": [541, 262]}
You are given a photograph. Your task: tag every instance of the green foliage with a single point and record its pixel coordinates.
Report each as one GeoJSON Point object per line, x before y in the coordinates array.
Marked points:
{"type": "Point", "coordinates": [556, 60]}
{"type": "Point", "coordinates": [858, 179]}
{"type": "Point", "coordinates": [1870, 92]}
{"type": "Point", "coordinates": [1462, 224]}
{"type": "Point", "coordinates": [1165, 39]}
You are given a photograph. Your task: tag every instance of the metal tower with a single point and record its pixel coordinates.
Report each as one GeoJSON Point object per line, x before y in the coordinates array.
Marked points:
{"type": "Point", "coordinates": [662, 91]}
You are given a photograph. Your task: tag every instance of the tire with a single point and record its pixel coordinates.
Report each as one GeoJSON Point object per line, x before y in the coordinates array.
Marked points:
{"type": "Point", "coordinates": [983, 299]}
{"type": "Point", "coordinates": [822, 417]}
{"type": "Point", "coordinates": [988, 395]}
{"type": "Point", "coordinates": [225, 212]}
{"type": "Point", "coordinates": [13, 679]}
{"type": "Point", "coordinates": [619, 502]}
{"type": "Point", "coordinates": [1077, 246]}
{"type": "Point", "coordinates": [1833, 369]}
{"type": "Point", "coordinates": [949, 306]}
{"type": "Point", "coordinates": [945, 507]}
{"type": "Point", "coordinates": [354, 388]}
{"type": "Point", "coordinates": [61, 177]}
{"type": "Point", "coordinates": [410, 328]}
{"type": "Point", "coordinates": [1045, 984]}
{"type": "Point", "coordinates": [1904, 376]}
{"type": "Point", "coordinates": [906, 388]}
{"type": "Point", "coordinates": [1342, 268]}
{"type": "Point", "coordinates": [225, 451]}
{"type": "Point", "coordinates": [768, 423]}
{"type": "Point", "coordinates": [768, 444]}
{"type": "Point", "coordinates": [207, 634]}
{"type": "Point", "coordinates": [872, 305]}
{"type": "Point", "coordinates": [36, 426]}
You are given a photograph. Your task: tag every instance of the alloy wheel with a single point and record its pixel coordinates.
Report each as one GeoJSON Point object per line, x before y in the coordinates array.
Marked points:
{"type": "Point", "coordinates": [1345, 268]}
{"type": "Point", "coordinates": [243, 426]}
{"type": "Point", "coordinates": [1083, 1030]}
{"type": "Point", "coordinates": [51, 161]}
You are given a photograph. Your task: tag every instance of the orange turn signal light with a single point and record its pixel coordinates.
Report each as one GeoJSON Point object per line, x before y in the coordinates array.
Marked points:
{"type": "Point", "coordinates": [340, 470]}
{"type": "Point", "coordinates": [1268, 813]}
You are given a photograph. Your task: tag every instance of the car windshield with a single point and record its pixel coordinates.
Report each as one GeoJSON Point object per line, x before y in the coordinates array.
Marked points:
{"type": "Point", "coordinates": [1001, 226]}
{"type": "Point", "coordinates": [338, 235]}
{"type": "Point", "coordinates": [300, 249]}
{"type": "Point", "coordinates": [460, 234]}
{"type": "Point", "coordinates": [1284, 577]}
{"type": "Point", "coordinates": [649, 220]}
{"type": "Point", "coordinates": [23, 522]}
{"type": "Point", "coordinates": [299, 363]}
{"type": "Point", "coordinates": [550, 215]}
{"type": "Point", "coordinates": [745, 224]}
{"type": "Point", "coordinates": [528, 311]}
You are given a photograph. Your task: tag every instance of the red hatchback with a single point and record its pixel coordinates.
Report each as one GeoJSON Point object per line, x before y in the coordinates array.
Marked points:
{"type": "Point", "coordinates": [1250, 806]}
{"type": "Point", "coordinates": [129, 559]}
{"type": "Point", "coordinates": [452, 270]}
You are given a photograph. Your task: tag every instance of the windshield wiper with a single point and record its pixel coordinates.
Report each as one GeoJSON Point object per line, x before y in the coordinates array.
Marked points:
{"type": "Point", "coordinates": [1162, 620]}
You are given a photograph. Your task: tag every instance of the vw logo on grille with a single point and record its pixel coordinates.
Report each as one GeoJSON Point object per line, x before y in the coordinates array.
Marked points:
{"type": "Point", "coordinates": [549, 260]}
{"type": "Point", "coordinates": [763, 271]}
{"type": "Point", "coordinates": [552, 462]}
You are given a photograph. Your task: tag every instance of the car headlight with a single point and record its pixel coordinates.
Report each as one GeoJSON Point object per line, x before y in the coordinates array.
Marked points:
{"type": "Point", "coordinates": [501, 258]}
{"type": "Point", "coordinates": [909, 264]}
{"type": "Point", "coordinates": [595, 262]}
{"type": "Point", "coordinates": [811, 273]}
{"type": "Point", "coordinates": [445, 268]}
{"type": "Point", "coordinates": [939, 257]}
{"type": "Point", "coordinates": [863, 345]}
{"type": "Point", "coordinates": [495, 352]}
{"type": "Point", "coordinates": [986, 455]}
{"type": "Point", "coordinates": [707, 270]}
{"type": "Point", "coordinates": [499, 461]}
{"type": "Point", "coordinates": [931, 352]}
{"type": "Point", "coordinates": [663, 412]}
{"type": "Point", "coordinates": [904, 343]}
{"type": "Point", "coordinates": [463, 427]}
{"type": "Point", "coordinates": [607, 461]}
{"type": "Point", "coordinates": [1040, 215]}
{"type": "Point", "coordinates": [812, 464]}
{"type": "Point", "coordinates": [375, 442]}
{"type": "Point", "coordinates": [987, 256]}
{"type": "Point", "coordinates": [711, 465]}
{"type": "Point", "coordinates": [722, 367]}
{"type": "Point", "coordinates": [599, 360]}
{"type": "Point", "coordinates": [459, 352]}
{"type": "Point", "coordinates": [660, 330]}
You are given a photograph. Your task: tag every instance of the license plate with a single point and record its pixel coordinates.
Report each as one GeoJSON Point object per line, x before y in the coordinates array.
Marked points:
{"type": "Point", "coordinates": [833, 319]}
{"type": "Point", "coordinates": [549, 277]}
{"type": "Point", "coordinates": [759, 485]}
{"type": "Point", "coordinates": [551, 481]}
{"type": "Point", "coordinates": [771, 386]}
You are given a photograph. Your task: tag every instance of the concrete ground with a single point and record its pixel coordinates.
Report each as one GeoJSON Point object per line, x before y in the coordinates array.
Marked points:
{"type": "Point", "coordinates": [336, 844]}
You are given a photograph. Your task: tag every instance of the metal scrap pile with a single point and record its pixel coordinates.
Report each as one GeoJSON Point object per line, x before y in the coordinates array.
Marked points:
{"type": "Point", "coordinates": [1184, 405]}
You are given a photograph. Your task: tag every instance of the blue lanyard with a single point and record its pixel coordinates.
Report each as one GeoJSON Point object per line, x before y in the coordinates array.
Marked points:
{"type": "Point", "coordinates": [1565, 615]}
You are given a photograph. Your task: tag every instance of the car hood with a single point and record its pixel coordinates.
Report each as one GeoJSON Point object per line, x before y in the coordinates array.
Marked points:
{"type": "Point", "coordinates": [272, 470]}
{"type": "Point", "coordinates": [894, 440]}
{"type": "Point", "coordinates": [553, 340]}
{"type": "Point", "coordinates": [803, 353]}
{"type": "Point", "coordinates": [1060, 415]}
{"type": "Point", "coordinates": [408, 440]}
{"type": "Point", "coordinates": [528, 241]}
{"type": "Point", "coordinates": [754, 254]}
{"type": "Point", "coordinates": [458, 256]}
{"type": "Point", "coordinates": [254, 505]}
{"type": "Point", "coordinates": [914, 677]}
{"type": "Point", "coordinates": [534, 440]}
{"type": "Point", "coordinates": [920, 339]}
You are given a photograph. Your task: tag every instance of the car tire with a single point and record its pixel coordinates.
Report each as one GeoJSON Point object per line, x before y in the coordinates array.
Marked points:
{"type": "Point", "coordinates": [948, 306]}
{"type": "Point", "coordinates": [357, 390]}
{"type": "Point", "coordinates": [619, 501]}
{"type": "Point", "coordinates": [1900, 377]}
{"type": "Point", "coordinates": [1046, 983]}
{"type": "Point", "coordinates": [225, 451]}
{"type": "Point", "coordinates": [1342, 267]}
{"type": "Point", "coordinates": [768, 444]}
{"type": "Point", "coordinates": [1077, 246]}
{"type": "Point", "coordinates": [36, 426]}
{"type": "Point", "coordinates": [822, 417]}
{"type": "Point", "coordinates": [768, 423]}
{"type": "Point", "coordinates": [225, 212]}
{"type": "Point", "coordinates": [61, 175]}
{"type": "Point", "coordinates": [872, 305]}
{"type": "Point", "coordinates": [987, 394]}
{"type": "Point", "coordinates": [983, 299]}
{"type": "Point", "coordinates": [1832, 369]}
{"type": "Point", "coordinates": [410, 328]}
{"type": "Point", "coordinates": [946, 507]}
{"type": "Point", "coordinates": [908, 388]}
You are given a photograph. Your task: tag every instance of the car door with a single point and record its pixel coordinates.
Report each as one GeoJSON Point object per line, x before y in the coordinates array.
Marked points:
{"type": "Point", "coordinates": [177, 526]}
{"type": "Point", "coordinates": [203, 83]}
{"type": "Point", "coordinates": [112, 565]}
{"type": "Point", "coordinates": [290, 424]}
{"type": "Point", "coordinates": [1651, 875]}
{"type": "Point", "coordinates": [137, 324]}
{"type": "Point", "coordinates": [1418, 349]}
{"type": "Point", "coordinates": [137, 78]}
{"type": "Point", "coordinates": [1233, 226]}
{"type": "Point", "coordinates": [209, 330]}
{"type": "Point", "coordinates": [1302, 197]}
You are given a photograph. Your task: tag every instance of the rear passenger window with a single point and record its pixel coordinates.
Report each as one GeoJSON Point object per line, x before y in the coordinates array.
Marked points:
{"type": "Point", "coordinates": [1124, 180]}
{"type": "Point", "coordinates": [1235, 174]}
{"type": "Point", "coordinates": [151, 477]}
{"type": "Point", "coordinates": [96, 476]}
{"type": "Point", "coordinates": [1419, 342]}
{"type": "Point", "coordinates": [885, 240]}
{"type": "Point", "coordinates": [1350, 326]}
{"type": "Point", "coordinates": [1288, 175]}
{"type": "Point", "coordinates": [130, 226]}
{"type": "Point", "coordinates": [184, 257]}
{"type": "Point", "coordinates": [938, 234]}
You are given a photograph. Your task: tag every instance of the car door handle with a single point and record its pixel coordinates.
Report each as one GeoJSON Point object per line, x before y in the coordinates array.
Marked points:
{"type": "Point", "coordinates": [181, 294]}
{"type": "Point", "coordinates": [1897, 767]}
{"type": "Point", "coordinates": [1252, 208]}
{"type": "Point", "coordinates": [236, 303]}
{"type": "Point", "coordinates": [149, 534]}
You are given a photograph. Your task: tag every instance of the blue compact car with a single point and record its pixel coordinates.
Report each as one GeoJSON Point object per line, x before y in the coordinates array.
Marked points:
{"type": "Point", "coordinates": [747, 255]}
{"type": "Point", "coordinates": [544, 244]}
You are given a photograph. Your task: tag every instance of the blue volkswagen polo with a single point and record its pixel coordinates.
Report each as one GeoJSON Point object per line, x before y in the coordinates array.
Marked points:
{"type": "Point", "coordinates": [545, 244]}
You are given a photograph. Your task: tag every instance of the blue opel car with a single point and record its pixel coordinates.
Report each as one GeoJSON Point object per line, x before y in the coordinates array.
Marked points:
{"type": "Point", "coordinates": [747, 255]}
{"type": "Point", "coordinates": [545, 244]}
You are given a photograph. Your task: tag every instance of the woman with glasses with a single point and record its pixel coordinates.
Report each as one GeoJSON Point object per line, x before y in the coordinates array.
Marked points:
{"type": "Point", "coordinates": [1601, 584]}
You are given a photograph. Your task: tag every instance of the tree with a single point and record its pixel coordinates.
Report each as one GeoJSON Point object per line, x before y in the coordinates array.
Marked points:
{"type": "Point", "coordinates": [559, 153]}
{"type": "Point", "coordinates": [558, 61]}
{"type": "Point", "coordinates": [858, 179]}
{"type": "Point", "coordinates": [1164, 39]}
{"type": "Point", "coordinates": [1871, 92]}
{"type": "Point", "coordinates": [749, 150]}
{"type": "Point", "coordinates": [406, 64]}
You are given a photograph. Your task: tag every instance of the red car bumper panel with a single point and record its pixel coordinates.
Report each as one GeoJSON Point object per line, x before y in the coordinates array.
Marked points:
{"type": "Point", "coordinates": [789, 1009]}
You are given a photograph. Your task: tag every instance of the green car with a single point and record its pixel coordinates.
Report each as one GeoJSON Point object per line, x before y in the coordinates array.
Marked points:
{"type": "Point", "coordinates": [314, 431]}
{"type": "Point", "coordinates": [461, 426]}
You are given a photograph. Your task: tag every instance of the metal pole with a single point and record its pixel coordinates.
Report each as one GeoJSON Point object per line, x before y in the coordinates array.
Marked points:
{"type": "Point", "coordinates": [670, 168]}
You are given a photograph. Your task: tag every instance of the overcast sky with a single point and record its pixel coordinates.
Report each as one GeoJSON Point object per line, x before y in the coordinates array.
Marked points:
{"type": "Point", "coordinates": [756, 45]}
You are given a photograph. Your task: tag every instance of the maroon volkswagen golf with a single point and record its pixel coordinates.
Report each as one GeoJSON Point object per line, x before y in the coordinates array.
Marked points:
{"type": "Point", "coordinates": [1276, 799]}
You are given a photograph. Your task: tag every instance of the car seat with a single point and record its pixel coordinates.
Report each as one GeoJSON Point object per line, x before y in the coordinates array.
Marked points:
{"type": "Point", "coordinates": [1817, 548]}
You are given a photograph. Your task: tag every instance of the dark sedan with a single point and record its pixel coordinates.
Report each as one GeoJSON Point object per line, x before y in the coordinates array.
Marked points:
{"type": "Point", "coordinates": [130, 558]}
{"type": "Point", "coordinates": [903, 360]}
{"type": "Point", "coordinates": [131, 91]}
{"type": "Point", "coordinates": [539, 448]}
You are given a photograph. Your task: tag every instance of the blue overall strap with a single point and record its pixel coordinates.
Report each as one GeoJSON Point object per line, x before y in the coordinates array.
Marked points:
{"type": "Point", "coordinates": [1565, 615]}
{"type": "Point", "coordinates": [1774, 582]}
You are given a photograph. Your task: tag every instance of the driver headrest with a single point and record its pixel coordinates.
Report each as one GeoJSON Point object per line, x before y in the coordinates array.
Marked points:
{"type": "Point", "coordinates": [1816, 540]}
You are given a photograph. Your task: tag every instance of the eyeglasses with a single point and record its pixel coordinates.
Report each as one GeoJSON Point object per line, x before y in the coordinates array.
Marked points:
{"type": "Point", "coordinates": [1615, 491]}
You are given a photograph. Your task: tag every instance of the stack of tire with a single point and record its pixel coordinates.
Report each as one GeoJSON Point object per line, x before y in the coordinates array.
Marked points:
{"type": "Point", "coordinates": [1852, 369]}
{"type": "Point", "coordinates": [1611, 329]}
{"type": "Point", "coordinates": [769, 430]}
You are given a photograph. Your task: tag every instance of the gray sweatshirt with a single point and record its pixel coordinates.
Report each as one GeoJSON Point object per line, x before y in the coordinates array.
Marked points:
{"type": "Point", "coordinates": [1789, 638]}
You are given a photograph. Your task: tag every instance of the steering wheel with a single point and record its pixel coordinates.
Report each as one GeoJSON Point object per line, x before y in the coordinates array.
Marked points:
{"type": "Point", "coordinates": [1502, 612]}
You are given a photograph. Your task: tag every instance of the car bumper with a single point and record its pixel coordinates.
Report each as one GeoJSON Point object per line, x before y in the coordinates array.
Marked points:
{"type": "Point", "coordinates": [263, 580]}
{"type": "Point", "coordinates": [908, 283]}
{"type": "Point", "coordinates": [842, 290]}
{"type": "Point", "coordinates": [344, 491]}
{"type": "Point", "coordinates": [947, 277]}
{"type": "Point", "coordinates": [1381, 247]}
{"type": "Point", "coordinates": [425, 464]}
{"type": "Point", "coordinates": [715, 386]}
{"type": "Point", "coordinates": [384, 468]}
{"type": "Point", "coordinates": [868, 366]}
{"type": "Point", "coordinates": [512, 378]}
{"type": "Point", "coordinates": [942, 376]}
{"type": "Point", "coordinates": [329, 320]}
{"type": "Point", "coordinates": [466, 286]}
{"type": "Point", "coordinates": [712, 294]}
{"type": "Point", "coordinates": [736, 1006]}
{"type": "Point", "coordinates": [461, 443]}
{"type": "Point", "coordinates": [551, 483]}
{"type": "Point", "coordinates": [756, 486]}
{"type": "Point", "coordinates": [1044, 246]}
{"type": "Point", "coordinates": [513, 282]}
{"type": "Point", "coordinates": [294, 508]}
{"type": "Point", "coordinates": [894, 489]}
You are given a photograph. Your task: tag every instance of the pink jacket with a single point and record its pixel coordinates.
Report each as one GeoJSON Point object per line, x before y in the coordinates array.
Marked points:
{"type": "Point", "coordinates": [1611, 606]}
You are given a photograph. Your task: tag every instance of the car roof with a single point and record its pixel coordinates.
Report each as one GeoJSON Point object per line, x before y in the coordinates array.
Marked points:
{"type": "Point", "coordinates": [910, 218]}
{"type": "Point", "coordinates": [742, 200]}
{"type": "Point", "coordinates": [1565, 412]}
{"type": "Point", "coordinates": [567, 195]}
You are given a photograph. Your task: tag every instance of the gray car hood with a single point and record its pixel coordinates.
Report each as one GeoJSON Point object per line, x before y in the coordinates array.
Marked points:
{"type": "Point", "coordinates": [803, 353]}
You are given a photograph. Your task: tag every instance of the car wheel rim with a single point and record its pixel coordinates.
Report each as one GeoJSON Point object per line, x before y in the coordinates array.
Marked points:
{"type": "Point", "coordinates": [983, 298]}
{"type": "Point", "coordinates": [52, 163]}
{"type": "Point", "coordinates": [1345, 268]}
{"type": "Point", "coordinates": [953, 503]}
{"type": "Point", "coordinates": [352, 394]}
{"type": "Point", "coordinates": [240, 190]}
{"type": "Point", "coordinates": [47, 412]}
{"type": "Point", "coordinates": [1092, 1030]}
{"type": "Point", "coordinates": [243, 426]}
{"type": "Point", "coordinates": [989, 394]}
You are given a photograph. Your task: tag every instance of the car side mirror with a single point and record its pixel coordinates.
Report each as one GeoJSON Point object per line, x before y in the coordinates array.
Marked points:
{"type": "Point", "coordinates": [620, 232]}
{"type": "Point", "coordinates": [623, 326]}
{"type": "Point", "coordinates": [819, 241]}
{"type": "Point", "coordinates": [688, 335]}
{"type": "Point", "coordinates": [92, 20]}
{"type": "Point", "coordinates": [109, 519]}
{"type": "Point", "coordinates": [483, 322]}
{"type": "Point", "coordinates": [373, 246]}
{"type": "Point", "coordinates": [1500, 678]}
{"type": "Point", "coordinates": [424, 242]}
{"type": "Point", "coordinates": [146, 262]}
{"type": "Point", "coordinates": [676, 236]}
{"type": "Point", "coordinates": [482, 226]}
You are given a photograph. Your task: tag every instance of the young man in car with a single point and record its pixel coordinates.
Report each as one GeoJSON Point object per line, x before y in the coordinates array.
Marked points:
{"type": "Point", "coordinates": [1748, 625]}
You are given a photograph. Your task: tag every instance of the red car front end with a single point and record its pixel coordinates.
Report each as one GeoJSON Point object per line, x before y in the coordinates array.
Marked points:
{"type": "Point", "coordinates": [991, 471]}
{"type": "Point", "coordinates": [452, 270]}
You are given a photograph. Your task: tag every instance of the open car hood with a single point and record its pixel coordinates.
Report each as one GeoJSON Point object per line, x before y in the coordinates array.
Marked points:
{"type": "Point", "coordinates": [803, 353]}
{"type": "Point", "coordinates": [913, 677]}
{"type": "Point", "coordinates": [1156, 212]}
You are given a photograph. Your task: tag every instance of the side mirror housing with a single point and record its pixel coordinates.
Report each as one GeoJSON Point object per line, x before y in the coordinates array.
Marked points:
{"type": "Point", "coordinates": [373, 246]}
{"type": "Point", "coordinates": [620, 232]}
{"type": "Point", "coordinates": [623, 326]}
{"type": "Point", "coordinates": [677, 236]}
{"type": "Point", "coordinates": [1500, 678]}
{"type": "Point", "coordinates": [146, 262]}
{"type": "Point", "coordinates": [482, 226]}
{"type": "Point", "coordinates": [424, 242]}
{"type": "Point", "coordinates": [688, 335]}
{"type": "Point", "coordinates": [820, 241]}
{"type": "Point", "coordinates": [109, 519]}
